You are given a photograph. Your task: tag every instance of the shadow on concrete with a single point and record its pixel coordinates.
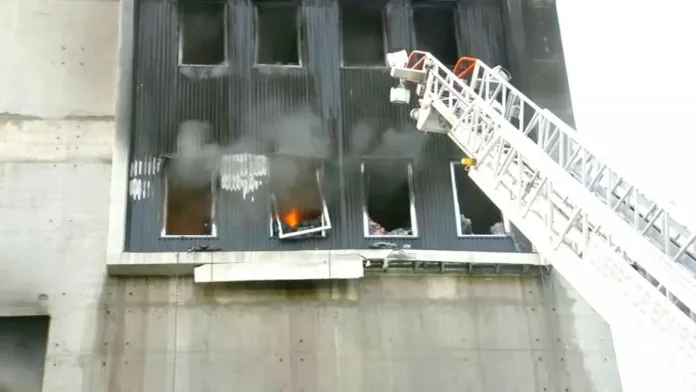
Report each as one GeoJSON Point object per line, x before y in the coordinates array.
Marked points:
{"type": "Point", "coordinates": [23, 353]}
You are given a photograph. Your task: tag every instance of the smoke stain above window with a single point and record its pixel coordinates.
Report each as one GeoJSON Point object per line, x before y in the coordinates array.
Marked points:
{"type": "Point", "coordinates": [190, 180]}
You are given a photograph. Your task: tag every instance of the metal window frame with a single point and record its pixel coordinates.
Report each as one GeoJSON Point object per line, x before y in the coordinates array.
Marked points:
{"type": "Point", "coordinates": [298, 28]}
{"type": "Point", "coordinates": [325, 218]}
{"type": "Point", "coordinates": [272, 234]}
{"type": "Point", "coordinates": [457, 208]}
{"type": "Point", "coordinates": [385, 41]}
{"type": "Point", "coordinates": [213, 204]}
{"type": "Point", "coordinates": [225, 26]}
{"type": "Point", "coordinates": [412, 201]}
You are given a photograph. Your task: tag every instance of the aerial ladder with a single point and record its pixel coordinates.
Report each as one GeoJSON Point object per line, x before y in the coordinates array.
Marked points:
{"type": "Point", "coordinates": [632, 259]}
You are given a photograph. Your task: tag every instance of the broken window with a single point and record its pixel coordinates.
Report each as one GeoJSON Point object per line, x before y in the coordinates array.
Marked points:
{"type": "Point", "coordinates": [436, 33]}
{"type": "Point", "coordinates": [298, 205]}
{"type": "Point", "coordinates": [202, 33]}
{"type": "Point", "coordinates": [388, 209]}
{"type": "Point", "coordinates": [189, 207]}
{"type": "Point", "coordinates": [277, 34]}
{"type": "Point", "coordinates": [363, 36]}
{"type": "Point", "coordinates": [476, 214]}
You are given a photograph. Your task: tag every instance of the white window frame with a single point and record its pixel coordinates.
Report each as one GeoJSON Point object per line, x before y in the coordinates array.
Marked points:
{"type": "Point", "coordinates": [225, 26]}
{"type": "Point", "coordinates": [165, 202]}
{"type": "Point", "coordinates": [298, 28]}
{"type": "Point", "coordinates": [412, 202]}
{"type": "Point", "coordinates": [454, 166]}
{"type": "Point", "coordinates": [325, 218]}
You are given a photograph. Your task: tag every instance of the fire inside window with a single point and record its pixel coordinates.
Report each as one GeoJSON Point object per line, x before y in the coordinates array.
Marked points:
{"type": "Point", "coordinates": [298, 205]}
{"type": "Point", "coordinates": [189, 204]}
{"type": "Point", "coordinates": [389, 200]}
{"type": "Point", "coordinates": [475, 214]}
{"type": "Point", "coordinates": [202, 33]}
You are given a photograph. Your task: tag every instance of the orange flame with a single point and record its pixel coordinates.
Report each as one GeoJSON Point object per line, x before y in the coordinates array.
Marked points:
{"type": "Point", "coordinates": [292, 218]}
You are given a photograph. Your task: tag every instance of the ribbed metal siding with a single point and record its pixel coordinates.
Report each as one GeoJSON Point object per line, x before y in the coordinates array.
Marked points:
{"type": "Point", "coordinates": [240, 104]}
{"type": "Point", "coordinates": [481, 32]}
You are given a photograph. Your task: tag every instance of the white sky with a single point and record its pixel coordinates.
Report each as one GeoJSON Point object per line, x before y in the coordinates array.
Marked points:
{"type": "Point", "coordinates": [632, 74]}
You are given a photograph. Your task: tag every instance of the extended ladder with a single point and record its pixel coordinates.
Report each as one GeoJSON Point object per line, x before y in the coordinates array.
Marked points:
{"type": "Point", "coordinates": [633, 260]}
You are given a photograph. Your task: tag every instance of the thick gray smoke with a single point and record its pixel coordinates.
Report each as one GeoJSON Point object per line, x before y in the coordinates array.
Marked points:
{"type": "Point", "coordinates": [408, 143]}
{"type": "Point", "coordinates": [297, 133]}
{"type": "Point", "coordinates": [367, 139]}
{"type": "Point", "coordinates": [391, 145]}
{"type": "Point", "coordinates": [197, 159]}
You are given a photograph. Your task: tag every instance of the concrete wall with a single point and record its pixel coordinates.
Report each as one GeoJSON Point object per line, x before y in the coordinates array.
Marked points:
{"type": "Point", "coordinates": [410, 334]}
{"type": "Point", "coordinates": [56, 134]}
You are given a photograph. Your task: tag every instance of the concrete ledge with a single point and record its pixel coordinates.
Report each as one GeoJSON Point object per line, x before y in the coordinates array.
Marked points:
{"type": "Point", "coordinates": [314, 267]}
{"type": "Point", "coordinates": [337, 264]}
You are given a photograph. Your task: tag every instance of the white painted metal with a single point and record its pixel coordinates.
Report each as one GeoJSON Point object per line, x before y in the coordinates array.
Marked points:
{"type": "Point", "coordinates": [547, 182]}
{"type": "Point", "coordinates": [325, 219]}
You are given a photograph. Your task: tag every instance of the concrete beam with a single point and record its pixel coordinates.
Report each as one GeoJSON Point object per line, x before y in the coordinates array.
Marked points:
{"type": "Point", "coordinates": [314, 267]}
{"type": "Point", "coordinates": [282, 265]}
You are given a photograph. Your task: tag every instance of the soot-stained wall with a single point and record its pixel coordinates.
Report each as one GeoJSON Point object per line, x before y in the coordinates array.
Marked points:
{"type": "Point", "coordinates": [319, 104]}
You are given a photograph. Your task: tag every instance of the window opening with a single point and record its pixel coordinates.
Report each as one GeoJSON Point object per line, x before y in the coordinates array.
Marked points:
{"type": "Point", "coordinates": [436, 33]}
{"type": "Point", "coordinates": [388, 208]}
{"type": "Point", "coordinates": [363, 36]}
{"type": "Point", "coordinates": [297, 201]}
{"type": "Point", "coordinates": [277, 35]}
{"type": "Point", "coordinates": [475, 214]}
{"type": "Point", "coordinates": [23, 346]}
{"type": "Point", "coordinates": [189, 205]}
{"type": "Point", "coordinates": [202, 33]}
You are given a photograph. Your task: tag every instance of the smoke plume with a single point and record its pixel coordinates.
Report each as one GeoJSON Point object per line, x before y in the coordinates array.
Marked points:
{"type": "Point", "coordinates": [197, 159]}
{"type": "Point", "coordinates": [298, 133]}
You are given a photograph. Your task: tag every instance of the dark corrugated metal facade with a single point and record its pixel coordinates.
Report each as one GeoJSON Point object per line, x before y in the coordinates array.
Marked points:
{"type": "Point", "coordinates": [254, 109]}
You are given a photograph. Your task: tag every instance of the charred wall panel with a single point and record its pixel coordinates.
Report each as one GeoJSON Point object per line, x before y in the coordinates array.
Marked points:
{"type": "Point", "coordinates": [245, 115]}
{"type": "Point", "coordinates": [548, 83]}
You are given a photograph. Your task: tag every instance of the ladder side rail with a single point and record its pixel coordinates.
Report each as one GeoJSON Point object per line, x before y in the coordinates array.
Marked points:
{"type": "Point", "coordinates": [615, 231]}
{"type": "Point", "coordinates": [665, 233]}
{"type": "Point", "coordinates": [624, 291]}
{"type": "Point", "coordinates": [677, 242]}
{"type": "Point", "coordinates": [655, 224]}
{"type": "Point", "coordinates": [625, 300]}
{"type": "Point", "coordinates": [656, 264]}
{"type": "Point", "coordinates": [674, 217]}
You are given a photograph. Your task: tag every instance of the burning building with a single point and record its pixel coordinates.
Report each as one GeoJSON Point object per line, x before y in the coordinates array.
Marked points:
{"type": "Point", "coordinates": [296, 145]}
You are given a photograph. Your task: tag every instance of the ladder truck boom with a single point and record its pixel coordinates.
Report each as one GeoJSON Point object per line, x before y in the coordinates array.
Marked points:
{"type": "Point", "coordinates": [632, 259]}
